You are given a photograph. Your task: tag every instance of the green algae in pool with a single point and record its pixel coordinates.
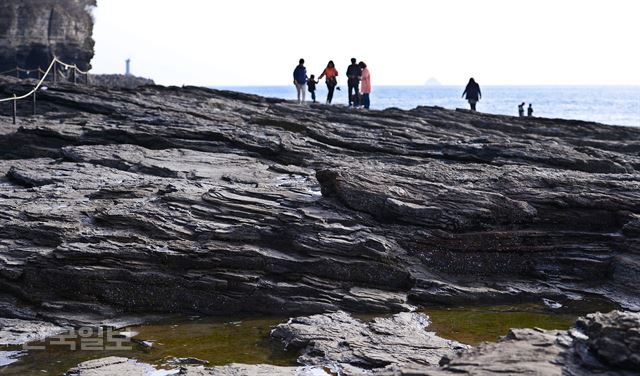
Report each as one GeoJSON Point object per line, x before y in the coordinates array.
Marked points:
{"type": "Point", "coordinates": [472, 325]}
{"type": "Point", "coordinates": [215, 339]}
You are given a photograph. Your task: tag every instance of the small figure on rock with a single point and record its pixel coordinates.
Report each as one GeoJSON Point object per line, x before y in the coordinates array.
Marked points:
{"type": "Point", "coordinates": [366, 84]}
{"type": "Point", "coordinates": [331, 75]}
{"type": "Point", "coordinates": [300, 80]}
{"type": "Point", "coordinates": [311, 85]}
{"type": "Point", "coordinates": [521, 109]}
{"type": "Point", "coordinates": [530, 111]}
{"type": "Point", "coordinates": [472, 92]}
{"type": "Point", "coordinates": [354, 74]}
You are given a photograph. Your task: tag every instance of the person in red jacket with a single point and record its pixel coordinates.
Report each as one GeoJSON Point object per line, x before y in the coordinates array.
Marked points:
{"type": "Point", "coordinates": [331, 75]}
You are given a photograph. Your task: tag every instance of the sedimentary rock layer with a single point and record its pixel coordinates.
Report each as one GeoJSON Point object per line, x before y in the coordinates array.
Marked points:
{"type": "Point", "coordinates": [194, 200]}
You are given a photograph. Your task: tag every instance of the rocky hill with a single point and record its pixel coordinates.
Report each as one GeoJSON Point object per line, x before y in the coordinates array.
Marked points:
{"type": "Point", "coordinates": [32, 32]}
{"type": "Point", "coordinates": [166, 199]}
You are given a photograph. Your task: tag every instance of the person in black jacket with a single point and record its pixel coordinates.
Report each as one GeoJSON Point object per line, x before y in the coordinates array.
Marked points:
{"type": "Point", "coordinates": [311, 85]}
{"type": "Point", "coordinates": [354, 72]}
{"type": "Point", "coordinates": [473, 93]}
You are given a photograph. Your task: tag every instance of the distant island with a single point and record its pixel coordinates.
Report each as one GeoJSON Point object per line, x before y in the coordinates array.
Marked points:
{"type": "Point", "coordinates": [432, 82]}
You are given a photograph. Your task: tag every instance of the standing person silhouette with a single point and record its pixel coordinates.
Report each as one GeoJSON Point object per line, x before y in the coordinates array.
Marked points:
{"type": "Point", "coordinates": [331, 75]}
{"type": "Point", "coordinates": [521, 109]}
{"type": "Point", "coordinates": [472, 92]}
{"type": "Point", "coordinates": [366, 85]}
{"type": "Point", "coordinates": [300, 80]}
{"type": "Point", "coordinates": [354, 73]}
{"type": "Point", "coordinates": [530, 111]}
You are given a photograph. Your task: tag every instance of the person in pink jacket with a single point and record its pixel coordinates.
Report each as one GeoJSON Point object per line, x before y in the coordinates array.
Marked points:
{"type": "Point", "coordinates": [365, 84]}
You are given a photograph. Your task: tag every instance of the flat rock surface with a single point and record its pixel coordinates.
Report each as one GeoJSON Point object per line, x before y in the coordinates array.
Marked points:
{"type": "Point", "coordinates": [115, 366]}
{"type": "Point", "coordinates": [18, 332]}
{"type": "Point", "coordinates": [166, 199]}
{"type": "Point", "coordinates": [340, 342]}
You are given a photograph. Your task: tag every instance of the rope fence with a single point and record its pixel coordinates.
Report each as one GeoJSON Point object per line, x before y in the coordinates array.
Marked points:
{"type": "Point", "coordinates": [42, 76]}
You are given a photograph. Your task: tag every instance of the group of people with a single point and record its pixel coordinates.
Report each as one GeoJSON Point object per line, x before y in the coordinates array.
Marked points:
{"type": "Point", "coordinates": [358, 82]}
{"type": "Point", "coordinates": [521, 110]}
{"type": "Point", "coordinates": [473, 95]}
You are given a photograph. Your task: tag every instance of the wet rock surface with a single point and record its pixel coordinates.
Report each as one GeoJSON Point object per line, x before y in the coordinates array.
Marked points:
{"type": "Point", "coordinates": [165, 199]}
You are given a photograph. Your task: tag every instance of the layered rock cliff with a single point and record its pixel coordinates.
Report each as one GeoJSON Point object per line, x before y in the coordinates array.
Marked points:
{"type": "Point", "coordinates": [33, 31]}
{"type": "Point", "coordinates": [195, 200]}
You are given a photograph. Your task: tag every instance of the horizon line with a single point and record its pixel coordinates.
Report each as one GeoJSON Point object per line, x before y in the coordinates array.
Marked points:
{"type": "Point", "coordinates": [450, 85]}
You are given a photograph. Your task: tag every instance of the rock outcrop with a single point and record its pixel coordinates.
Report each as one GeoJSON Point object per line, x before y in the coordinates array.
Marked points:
{"type": "Point", "coordinates": [119, 81]}
{"type": "Point", "coordinates": [342, 343]}
{"type": "Point", "coordinates": [32, 32]}
{"type": "Point", "coordinates": [600, 344]}
{"type": "Point", "coordinates": [165, 199]}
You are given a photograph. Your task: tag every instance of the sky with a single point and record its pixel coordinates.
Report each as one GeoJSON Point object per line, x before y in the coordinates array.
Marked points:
{"type": "Point", "coordinates": [403, 42]}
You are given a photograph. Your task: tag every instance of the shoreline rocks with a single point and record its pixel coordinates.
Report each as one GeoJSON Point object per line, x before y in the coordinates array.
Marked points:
{"type": "Point", "coordinates": [336, 343]}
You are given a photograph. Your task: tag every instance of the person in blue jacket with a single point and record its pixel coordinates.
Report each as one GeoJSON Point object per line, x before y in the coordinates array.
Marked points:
{"type": "Point", "coordinates": [300, 80]}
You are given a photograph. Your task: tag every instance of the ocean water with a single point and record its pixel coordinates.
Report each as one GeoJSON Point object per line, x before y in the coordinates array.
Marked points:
{"type": "Point", "coordinates": [617, 105]}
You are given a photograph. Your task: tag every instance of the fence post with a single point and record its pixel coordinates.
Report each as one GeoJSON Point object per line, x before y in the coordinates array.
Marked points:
{"type": "Point", "coordinates": [34, 102]}
{"type": "Point", "coordinates": [39, 77]}
{"type": "Point", "coordinates": [15, 109]}
{"type": "Point", "coordinates": [17, 72]}
{"type": "Point", "coordinates": [86, 79]}
{"type": "Point", "coordinates": [55, 72]}
{"type": "Point", "coordinates": [75, 75]}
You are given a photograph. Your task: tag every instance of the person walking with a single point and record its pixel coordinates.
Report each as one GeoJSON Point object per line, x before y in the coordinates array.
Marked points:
{"type": "Point", "coordinates": [354, 73]}
{"type": "Point", "coordinates": [366, 84]}
{"type": "Point", "coordinates": [521, 109]}
{"type": "Point", "coordinates": [300, 80]}
{"type": "Point", "coordinates": [472, 92]}
{"type": "Point", "coordinates": [530, 111]}
{"type": "Point", "coordinates": [331, 75]}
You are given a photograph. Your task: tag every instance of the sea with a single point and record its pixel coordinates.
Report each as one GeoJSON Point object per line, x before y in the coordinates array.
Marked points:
{"type": "Point", "coordinates": [615, 105]}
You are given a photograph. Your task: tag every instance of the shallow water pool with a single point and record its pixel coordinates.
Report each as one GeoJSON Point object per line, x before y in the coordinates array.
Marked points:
{"type": "Point", "coordinates": [223, 340]}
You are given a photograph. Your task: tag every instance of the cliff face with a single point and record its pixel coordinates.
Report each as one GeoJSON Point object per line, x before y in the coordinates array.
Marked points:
{"type": "Point", "coordinates": [33, 31]}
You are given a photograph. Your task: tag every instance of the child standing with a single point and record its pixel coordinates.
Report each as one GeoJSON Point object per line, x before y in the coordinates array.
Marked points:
{"type": "Point", "coordinates": [311, 85]}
